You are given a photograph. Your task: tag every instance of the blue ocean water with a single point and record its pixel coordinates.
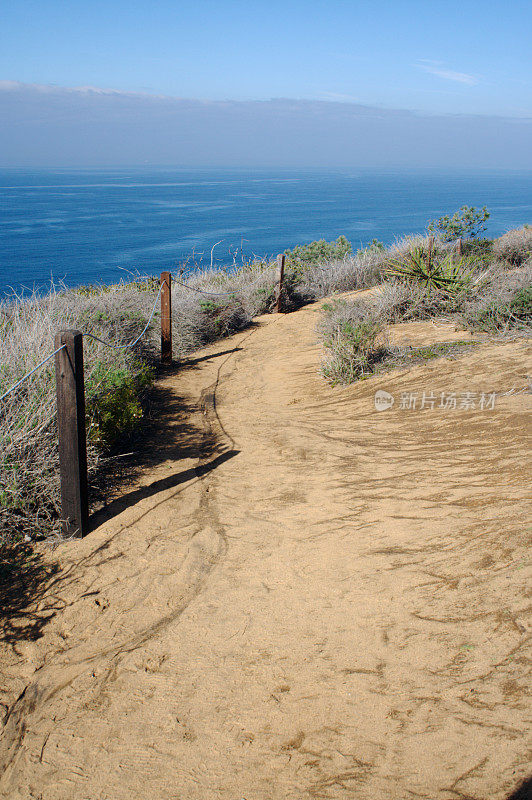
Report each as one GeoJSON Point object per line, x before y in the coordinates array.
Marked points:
{"type": "Point", "coordinates": [93, 226]}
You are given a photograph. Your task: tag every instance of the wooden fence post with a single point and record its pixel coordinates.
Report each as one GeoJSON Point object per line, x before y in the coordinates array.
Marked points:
{"type": "Point", "coordinates": [166, 317]}
{"type": "Point", "coordinates": [71, 429]}
{"type": "Point", "coordinates": [279, 290]}
{"type": "Point", "coordinates": [459, 247]}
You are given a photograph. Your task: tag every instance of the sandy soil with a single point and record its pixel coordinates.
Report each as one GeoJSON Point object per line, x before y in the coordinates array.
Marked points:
{"type": "Point", "coordinates": [303, 597]}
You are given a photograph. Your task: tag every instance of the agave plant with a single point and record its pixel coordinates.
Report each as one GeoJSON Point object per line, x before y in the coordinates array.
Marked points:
{"type": "Point", "coordinates": [450, 274]}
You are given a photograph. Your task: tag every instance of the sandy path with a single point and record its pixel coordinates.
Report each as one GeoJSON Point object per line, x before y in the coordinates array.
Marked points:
{"type": "Point", "coordinates": [304, 598]}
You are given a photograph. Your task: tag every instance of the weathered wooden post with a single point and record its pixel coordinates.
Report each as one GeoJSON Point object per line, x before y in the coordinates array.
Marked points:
{"type": "Point", "coordinates": [280, 277]}
{"type": "Point", "coordinates": [166, 317]}
{"type": "Point", "coordinates": [459, 247]}
{"type": "Point", "coordinates": [71, 429]}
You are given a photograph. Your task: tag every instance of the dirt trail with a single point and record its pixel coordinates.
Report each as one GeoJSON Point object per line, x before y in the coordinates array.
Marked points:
{"type": "Point", "coordinates": [304, 598]}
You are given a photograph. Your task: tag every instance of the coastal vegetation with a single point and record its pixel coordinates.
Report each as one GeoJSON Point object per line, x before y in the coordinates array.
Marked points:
{"type": "Point", "coordinates": [466, 223]}
{"type": "Point", "coordinates": [486, 289]}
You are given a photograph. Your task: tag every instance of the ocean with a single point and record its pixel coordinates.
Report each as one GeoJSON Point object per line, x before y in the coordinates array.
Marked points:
{"type": "Point", "coordinates": [100, 226]}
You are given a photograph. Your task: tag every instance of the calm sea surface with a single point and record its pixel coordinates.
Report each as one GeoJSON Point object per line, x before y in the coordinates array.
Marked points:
{"type": "Point", "coordinates": [92, 226]}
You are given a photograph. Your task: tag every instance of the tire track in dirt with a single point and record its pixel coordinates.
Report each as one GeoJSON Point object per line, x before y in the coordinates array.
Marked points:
{"type": "Point", "coordinates": [205, 549]}
{"type": "Point", "coordinates": [351, 621]}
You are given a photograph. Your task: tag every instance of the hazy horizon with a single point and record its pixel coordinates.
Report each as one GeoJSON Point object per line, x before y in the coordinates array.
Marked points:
{"type": "Point", "coordinates": [258, 168]}
{"type": "Point", "coordinates": [84, 127]}
{"type": "Point", "coordinates": [305, 84]}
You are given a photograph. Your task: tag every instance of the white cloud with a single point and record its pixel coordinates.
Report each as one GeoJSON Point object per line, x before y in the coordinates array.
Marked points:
{"type": "Point", "coordinates": [339, 98]}
{"type": "Point", "coordinates": [89, 126]}
{"type": "Point", "coordinates": [436, 68]}
{"type": "Point", "coordinates": [18, 86]}
{"type": "Point", "coordinates": [10, 86]}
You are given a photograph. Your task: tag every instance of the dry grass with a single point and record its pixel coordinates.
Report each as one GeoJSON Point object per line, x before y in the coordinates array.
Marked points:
{"type": "Point", "coordinates": [504, 304]}
{"type": "Point", "coordinates": [359, 271]}
{"type": "Point", "coordinates": [114, 379]}
{"type": "Point", "coordinates": [352, 335]}
{"type": "Point", "coordinates": [362, 270]}
{"type": "Point", "coordinates": [29, 487]}
{"type": "Point", "coordinates": [493, 286]}
{"type": "Point", "coordinates": [495, 300]}
{"type": "Point", "coordinates": [200, 318]}
{"type": "Point", "coordinates": [515, 247]}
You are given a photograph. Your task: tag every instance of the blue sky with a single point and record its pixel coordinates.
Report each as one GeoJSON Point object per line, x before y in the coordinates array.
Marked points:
{"type": "Point", "coordinates": [433, 58]}
{"type": "Point", "coordinates": [467, 57]}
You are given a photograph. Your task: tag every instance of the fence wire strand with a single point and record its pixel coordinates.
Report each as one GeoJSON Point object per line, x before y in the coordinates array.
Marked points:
{"type": "Point", "coordinates": [219, 294]}
{"type": "Point", "coordinates": [25, 378]}
{"type": "Point", "coordinates": [201, 291]}
{"type": "Point", "coordinates": [90, 335]}
{"type": "Point", "coordinates": [139, 337]}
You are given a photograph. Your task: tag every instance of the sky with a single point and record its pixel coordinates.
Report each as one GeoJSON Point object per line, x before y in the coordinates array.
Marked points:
{"type": "Point", "coordinates": [74, 76]}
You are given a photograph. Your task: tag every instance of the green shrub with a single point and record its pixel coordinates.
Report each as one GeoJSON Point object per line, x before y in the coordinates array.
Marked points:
{"type": "Point", "coordinates": [521, 304]}
{"type": "Point", "coordinates": [350, 332]}
{"type": "Point", "coordinates": [91, 290]}
{"type": "Point", "coordinates": [479, 251]}
{"type": "Point", "coordinates": [114, 401]}
{"type": "Point", "coordinates": [496, 316]}
{"type": "Point", "coordinates": [466, 223]}
{"type": "Point", "coordinates": [146, 284]}
{"type": "Point", "coordinates": [220, 318]}
{"type": "Point", "coordinates": [263, 299]}
{"type": "Point", "coordinates": [149, 284]}
{"type": "Point", "coordinates": [305, 255]}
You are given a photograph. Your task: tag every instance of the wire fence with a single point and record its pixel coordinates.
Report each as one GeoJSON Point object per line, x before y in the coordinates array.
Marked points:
{"type": "Point", "coordinates": [229, 293]}
{"type": "Point", "coordinates": [202, 291]}
{"type": "Point", "coordinates": [70, 390]}
{"type": "Point", "coordinates": [29, 374]}
{"type": "Point", "coordinates": [132, 344]}
{"type": "Point", "coordinates": [86, 334]}
{"type": "Point", "coordinates": [135, 341]}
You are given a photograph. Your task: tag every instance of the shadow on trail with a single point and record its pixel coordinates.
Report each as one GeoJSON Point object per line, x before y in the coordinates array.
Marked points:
{"type": "Point", "coordinates": [115, 507]}
{"type": "Point", "coordinates": [191, 362]}
{"type": "Point", "coordinates": [523, 791]}
{"type": "Point", "coordinates": [23, 581]}
{"type": "Point", "coordinates": [28, 582]}
{"type": "Point", "coordinates": [167, 435]}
